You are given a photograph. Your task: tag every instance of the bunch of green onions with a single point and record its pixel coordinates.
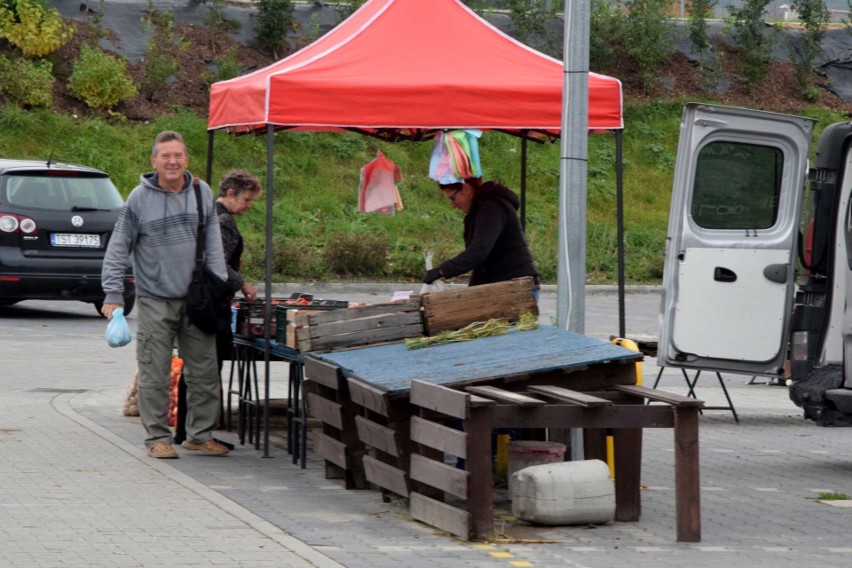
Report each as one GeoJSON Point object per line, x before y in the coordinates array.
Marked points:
{"type": "Point", "coordinates": [475, 330]}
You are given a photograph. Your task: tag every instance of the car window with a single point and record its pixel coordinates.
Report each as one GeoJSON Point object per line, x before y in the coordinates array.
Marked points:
{"type": "Point", "coordinates": [58, 193]}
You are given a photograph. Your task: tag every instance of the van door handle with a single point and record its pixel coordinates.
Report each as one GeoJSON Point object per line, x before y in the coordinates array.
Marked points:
{"type": "Point", "coordinates": [721, 274]}
{"type": "Point", "coordinates": [776, 273]}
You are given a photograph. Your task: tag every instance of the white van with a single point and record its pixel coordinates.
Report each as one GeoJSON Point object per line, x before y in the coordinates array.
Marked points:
{"type": "Point", "coordinates": [755, 282]}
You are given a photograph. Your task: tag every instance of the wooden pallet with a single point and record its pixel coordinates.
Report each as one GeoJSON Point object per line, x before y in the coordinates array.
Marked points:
{"type": "Point", "coordinates": [363, 325]}
{"type": "Point", "coordinates": [454, 309]}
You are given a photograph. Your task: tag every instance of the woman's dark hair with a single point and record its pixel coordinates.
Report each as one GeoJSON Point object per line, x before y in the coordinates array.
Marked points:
{"type": "Point", "coordinates": [240, 181]}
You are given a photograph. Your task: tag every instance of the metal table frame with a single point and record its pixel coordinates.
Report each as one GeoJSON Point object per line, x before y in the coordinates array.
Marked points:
{"type": "Point", "coordinates": [252, 407]}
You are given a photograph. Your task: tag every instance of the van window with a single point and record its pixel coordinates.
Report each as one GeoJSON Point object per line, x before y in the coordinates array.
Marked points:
{"type": "Point", "coordinates": [737, 186]}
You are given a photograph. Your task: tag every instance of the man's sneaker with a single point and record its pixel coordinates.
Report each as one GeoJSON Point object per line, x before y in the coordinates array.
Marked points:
{"type": "Point", "coordinates": [162, 451]}
{"type": "Point", "coordinates": [209, 448]}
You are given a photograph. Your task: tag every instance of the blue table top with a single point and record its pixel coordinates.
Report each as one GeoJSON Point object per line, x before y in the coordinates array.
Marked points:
{"type": "Point", "coordinates": [392, 367]}
{"type": "Point", "coordinates": [276, 350]}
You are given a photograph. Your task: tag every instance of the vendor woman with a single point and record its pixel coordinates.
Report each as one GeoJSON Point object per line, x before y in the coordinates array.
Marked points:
{"type": "Point", "coordinates": [495, 246]}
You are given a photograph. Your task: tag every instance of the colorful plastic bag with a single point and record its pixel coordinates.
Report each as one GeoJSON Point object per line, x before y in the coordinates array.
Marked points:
{"type": "Point", "coordinates": [378, 188]}
{"type": "Point", "coordinates": [117, 331]}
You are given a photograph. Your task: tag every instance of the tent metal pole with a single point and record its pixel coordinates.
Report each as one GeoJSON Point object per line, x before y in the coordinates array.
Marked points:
{"type": "Point", "coordinates": [270, 139]}
{"type": "Point", "coordinates": [209, 173]}
{"type": "Point", "coordinates": [619, 192]}
{"type": "Point", "coordinates": [524, 180]}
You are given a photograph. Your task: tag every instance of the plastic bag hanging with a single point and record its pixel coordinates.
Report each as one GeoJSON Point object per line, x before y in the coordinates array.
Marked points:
{"type": "Point", "coordinates": [117, 331]}
{"type": "Point", "coordinates": [378, 186]}
{"type": "Point", "coordinates": [455, 156]}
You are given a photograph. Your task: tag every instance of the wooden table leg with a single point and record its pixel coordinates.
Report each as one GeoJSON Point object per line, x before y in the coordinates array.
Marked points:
{"type": "Point", "coordinates": [480, 503]}
{"type": "Point", "coordinates": [627, 444]}
{"type": "Point", "coordinates": [687, 484]}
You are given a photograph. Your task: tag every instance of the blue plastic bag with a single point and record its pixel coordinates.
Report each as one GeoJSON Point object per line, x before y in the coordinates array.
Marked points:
{"type": "Point", "coordinates": [117, 331]}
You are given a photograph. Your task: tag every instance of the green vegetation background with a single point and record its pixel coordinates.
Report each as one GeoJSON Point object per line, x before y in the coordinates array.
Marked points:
{"type": "Point", "coordinates": [318, 233]}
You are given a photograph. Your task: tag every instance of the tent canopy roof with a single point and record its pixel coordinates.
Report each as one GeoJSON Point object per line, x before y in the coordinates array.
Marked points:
{"type": "Point", "coordinates": [407, 68]}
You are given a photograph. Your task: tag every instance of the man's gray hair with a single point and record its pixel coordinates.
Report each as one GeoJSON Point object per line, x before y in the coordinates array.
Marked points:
{"type": "Point", "coordinates": [166, 136]}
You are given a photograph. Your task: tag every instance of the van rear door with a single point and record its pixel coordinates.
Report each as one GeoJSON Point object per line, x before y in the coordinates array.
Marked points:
{"type": "Point", "coordinates": [729, 273]}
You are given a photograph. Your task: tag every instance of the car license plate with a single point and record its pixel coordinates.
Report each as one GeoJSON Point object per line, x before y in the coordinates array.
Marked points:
{"type": "Point", "coordinates": [74, 240]}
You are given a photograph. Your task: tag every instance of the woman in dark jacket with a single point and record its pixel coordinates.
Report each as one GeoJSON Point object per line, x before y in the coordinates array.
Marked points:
{"type": "Point", "coordinates": [237, 190]}
{"type": "Point", "coordinates": [495, 246]}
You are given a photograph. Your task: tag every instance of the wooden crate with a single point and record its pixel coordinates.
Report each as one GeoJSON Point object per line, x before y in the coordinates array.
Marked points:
{"type": "Point", "coordinates": [454, 309]}
{"type": "Point", "coordinates": [362, 325]}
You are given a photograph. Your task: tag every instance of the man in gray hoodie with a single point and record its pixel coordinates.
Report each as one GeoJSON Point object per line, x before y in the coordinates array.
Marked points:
{"type": "Point", "coordinates": [158, 227]}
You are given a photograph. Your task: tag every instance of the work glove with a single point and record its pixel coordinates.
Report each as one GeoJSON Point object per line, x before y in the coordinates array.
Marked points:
{"type": "Point", "coordinates": [432, 275]}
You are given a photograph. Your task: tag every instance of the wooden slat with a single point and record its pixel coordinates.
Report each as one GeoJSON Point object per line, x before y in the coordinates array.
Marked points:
{"type": "Point", "coordinates": [571, 396]}
{"type": "Point", "coordinates": [434, 513]}
{"type": "Point", "coordinates": [330, 449]}
{"type": "Point", "coordinates": [323, 373]}
{"type": "Point", "coordinates": [325, 411]}
{"type": "Point", "coordinates": [378, 436]}
{"type": "Point", "coordinates": [369, 397]}
{"type": "Point", "coordinates": [439, 475]}
{"type": "Point", "coordinates": [440, 399]}
{"type": "Point", "coordinates": [348, 326]}
{"type": "Point", "coordinates": [307, 342]}
{"type": "Point", "coordinates": [386, 476]}
{"type": "Point", "coordinates": [438, 436]}
{"type": "Point", "coordinates": [453, 309]}
{"type": "Point", "coordinates": [659, 396]}
{"type": "Point", "coordinates": [329, 316]}
{"type": "Point", "coordinates": [505, 396]}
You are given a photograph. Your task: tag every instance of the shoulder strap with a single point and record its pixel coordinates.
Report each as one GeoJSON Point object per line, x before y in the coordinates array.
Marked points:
{"type": "Point", "coordinates": [199, 244]}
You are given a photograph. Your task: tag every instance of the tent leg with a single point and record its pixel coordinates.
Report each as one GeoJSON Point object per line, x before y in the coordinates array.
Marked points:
{"type": "Point", "coordinates": [270, 140]}
{"type": "Point", "coordinates": [619, 191]}
{"type": "Point", "coordinates": [524, 180]}
{"type": "Point", "coordinates": [209, 172]}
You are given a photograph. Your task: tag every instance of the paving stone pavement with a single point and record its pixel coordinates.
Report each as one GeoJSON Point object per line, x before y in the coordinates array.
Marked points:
{"type": "Point", "coordinates": [76, 488]}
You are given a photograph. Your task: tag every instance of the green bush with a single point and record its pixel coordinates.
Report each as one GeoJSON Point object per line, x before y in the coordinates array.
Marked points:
{"type": "Point", "coordinates": [26, 82]}
{"type": "Point", "coordinates": [294, 258]}
{"type": "Point", "coordinates": [537, 25]}
{"type": "Point", "coordinates": [605, 27]}
{"type": "Point", "coordinates": [227, 66]}
{"type": "Point", "coordinates": [649, 36]}
{"type": "Point", "coordinates": [160, 62]}
{"type": "Point", "coordinates": [748, 32]}
{"type": "Point", "coordinates": [100, 80]}
{"type": "Point", "coordinates": [33, 28]}
{"type": "Point", "coordinates": [815, 17]}
{"type": "Point", "coordinates": [360, 254]}
{"type": "Point", "coordinates": [273, 21]}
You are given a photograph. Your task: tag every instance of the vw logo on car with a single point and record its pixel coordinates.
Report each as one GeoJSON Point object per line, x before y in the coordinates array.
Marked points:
{"type": "Point", "coordinates": [77, 221]}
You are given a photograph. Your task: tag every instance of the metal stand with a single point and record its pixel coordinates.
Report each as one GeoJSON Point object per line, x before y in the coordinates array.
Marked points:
{"type": "Point", "coordinates": [251, 407]}
{"type": "Point", "coordinates": [691, 384]}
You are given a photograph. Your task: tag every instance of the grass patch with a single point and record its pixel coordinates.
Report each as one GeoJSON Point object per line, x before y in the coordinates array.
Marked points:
{"type": "Point", "coordinates": [317, 230]}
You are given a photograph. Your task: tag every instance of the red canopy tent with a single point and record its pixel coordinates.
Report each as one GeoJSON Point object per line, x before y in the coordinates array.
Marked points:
{"type": "Point", "coordinates": [401, 69]}
{"type": "Point", "coordinates": [406, 69]}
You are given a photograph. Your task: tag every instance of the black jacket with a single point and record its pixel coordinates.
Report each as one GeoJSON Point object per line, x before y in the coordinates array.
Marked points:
{"type": "Point", "coordinates": [495, 247]}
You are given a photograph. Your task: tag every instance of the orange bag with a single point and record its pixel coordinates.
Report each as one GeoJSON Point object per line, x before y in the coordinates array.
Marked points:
{"type": "Point", "coordinates": [177, 369]}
